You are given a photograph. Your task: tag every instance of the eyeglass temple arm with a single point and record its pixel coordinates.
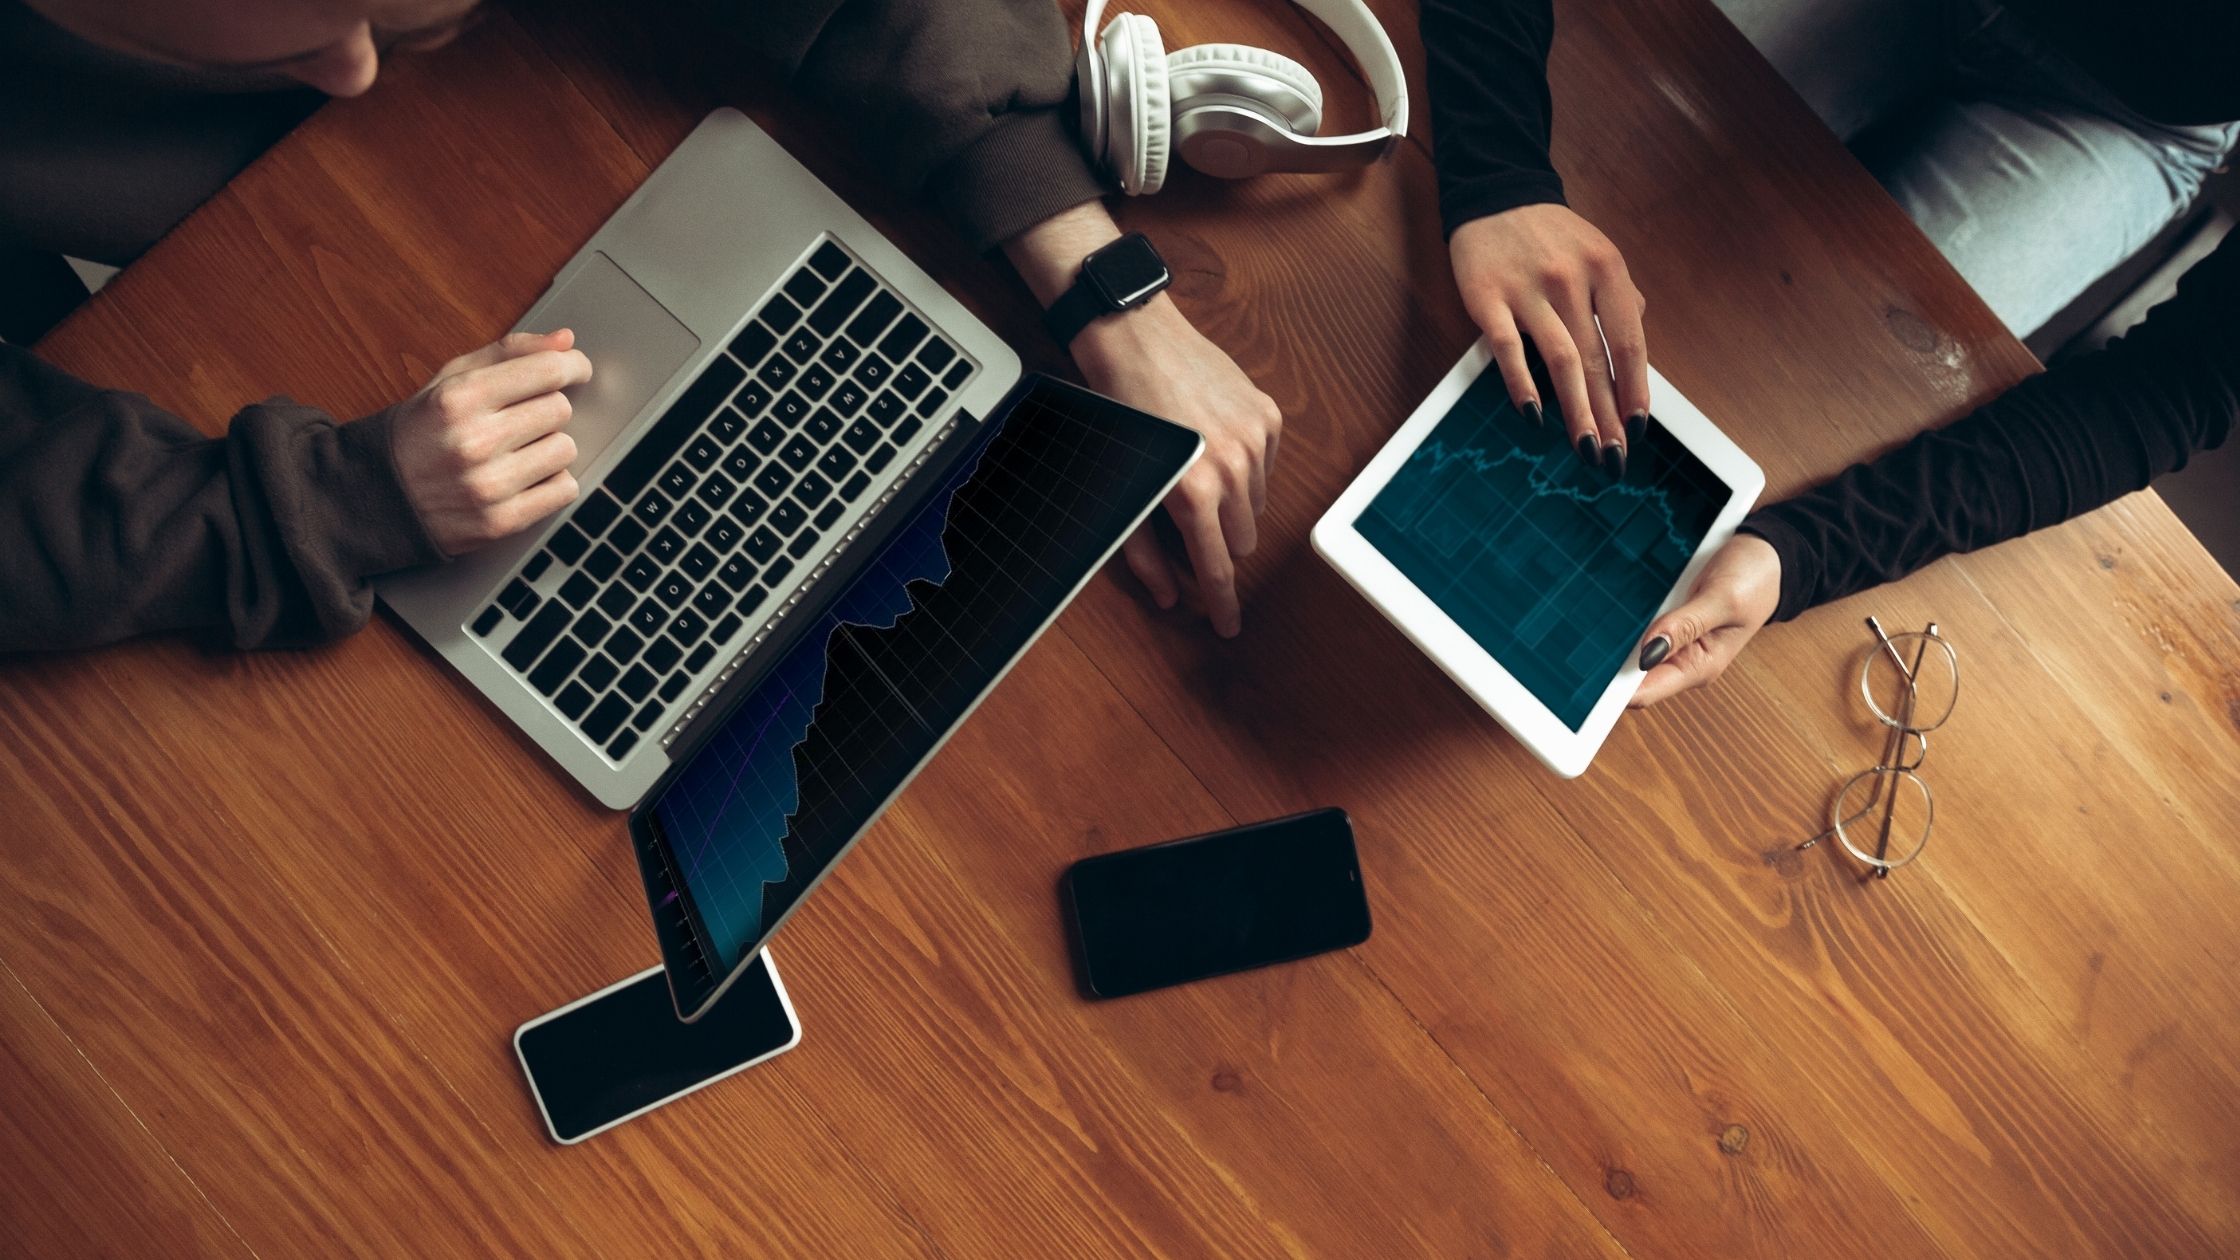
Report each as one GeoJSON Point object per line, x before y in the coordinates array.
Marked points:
{"type": "Point", "coordinates": [1898, 744]}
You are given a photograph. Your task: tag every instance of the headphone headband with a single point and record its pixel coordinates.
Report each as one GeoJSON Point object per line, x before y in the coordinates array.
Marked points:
{"type": "Point", "coordinates": [1355, 27]}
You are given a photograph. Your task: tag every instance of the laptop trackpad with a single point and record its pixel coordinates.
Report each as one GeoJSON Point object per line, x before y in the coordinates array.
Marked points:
{"type": "Point", "coordinates": [635, 346]}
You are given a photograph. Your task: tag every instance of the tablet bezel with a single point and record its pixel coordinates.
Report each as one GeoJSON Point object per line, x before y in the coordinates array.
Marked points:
{"type": "Point", "coordinates": [1475, 670]}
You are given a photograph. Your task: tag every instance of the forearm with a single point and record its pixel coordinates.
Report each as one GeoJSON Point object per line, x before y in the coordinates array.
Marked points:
{"type": "Point", "coordinates": [2056, 445]}
{"type": "Point", "coordinates": [1491, 115]}
{"type": "Point", "coordinates": [124, 520]}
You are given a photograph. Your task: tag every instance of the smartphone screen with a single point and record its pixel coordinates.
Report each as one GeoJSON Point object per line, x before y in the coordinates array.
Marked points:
{"type": "Point", "coordinates": [622, 1051]}
{"type": "Point", "coordinates": [1209, 905]}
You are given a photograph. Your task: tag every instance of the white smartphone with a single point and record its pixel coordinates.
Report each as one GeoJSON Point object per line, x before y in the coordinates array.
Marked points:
{"type": "Point", "coordinates": [621, 1052]}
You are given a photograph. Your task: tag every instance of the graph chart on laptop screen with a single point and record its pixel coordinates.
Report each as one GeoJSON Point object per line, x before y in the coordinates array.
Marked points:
{"type": "Point", "coordinates": [1555, 568]}
{"type": "Point", "coordinates": [861, 700]}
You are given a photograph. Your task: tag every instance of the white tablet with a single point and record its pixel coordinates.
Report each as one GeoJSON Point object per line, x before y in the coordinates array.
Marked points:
{"type": "Point", "coordinates": [1527, 575]}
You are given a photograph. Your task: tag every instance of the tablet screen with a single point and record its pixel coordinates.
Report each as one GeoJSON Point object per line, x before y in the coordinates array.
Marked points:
{"type": "Point", "coordinates": [1555, 568]}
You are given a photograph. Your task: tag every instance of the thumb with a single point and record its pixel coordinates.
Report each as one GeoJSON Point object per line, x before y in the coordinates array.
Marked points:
{"type": "Point", "coordinates": [1673, 651]}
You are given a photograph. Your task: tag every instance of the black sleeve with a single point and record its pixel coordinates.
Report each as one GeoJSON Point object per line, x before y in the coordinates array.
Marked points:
{"type": "Point", "coordinates": [1490, 114]}
{"type": "Point", "coordinates": [118, 518]}
{"type": "Point", "coordinates": [2059, 444]}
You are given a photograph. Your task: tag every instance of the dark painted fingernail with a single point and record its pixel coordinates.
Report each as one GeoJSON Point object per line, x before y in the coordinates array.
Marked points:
{"type": "Point", "coordinates": [1531, 411]}
{"type": "Point", "coordinates": [1654, 651]}
{"type": "Point", "coordinates": [1615, 456]}
{"type": "Point", "coordinates": [1636, 425]}
{"type": "Point", "coordinates": [1586, 449]}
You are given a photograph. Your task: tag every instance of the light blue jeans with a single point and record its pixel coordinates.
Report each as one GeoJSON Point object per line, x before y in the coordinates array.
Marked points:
{"type": "Point", "coordinates": [2029, 176]}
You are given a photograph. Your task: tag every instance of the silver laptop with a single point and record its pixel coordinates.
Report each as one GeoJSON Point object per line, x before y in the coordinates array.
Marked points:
{"type": "Point", "coordinates": [769, 371]}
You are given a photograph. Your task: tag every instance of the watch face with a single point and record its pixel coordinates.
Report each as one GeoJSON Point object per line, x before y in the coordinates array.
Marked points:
{"type": "Point", "coordinates": [1127, 271]}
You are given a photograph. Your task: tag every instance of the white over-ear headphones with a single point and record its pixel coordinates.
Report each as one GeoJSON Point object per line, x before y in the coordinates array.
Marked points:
{"type": "Point", "coordinates": [1229, 109]}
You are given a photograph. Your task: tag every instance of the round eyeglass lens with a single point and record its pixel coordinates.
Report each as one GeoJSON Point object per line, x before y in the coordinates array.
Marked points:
{"type": "Point", "coordinates": [1920, 696]}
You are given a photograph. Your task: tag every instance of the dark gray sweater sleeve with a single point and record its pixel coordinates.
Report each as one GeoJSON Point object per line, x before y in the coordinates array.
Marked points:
{"type": "Point", "coordinates": [2059, 444]}
{"type": "Point", "coordinates": [118, 518]}
{"type": "Point", "coordinates": [1491, 116]}
{"type": "Point", "coordinates": [967, 103]}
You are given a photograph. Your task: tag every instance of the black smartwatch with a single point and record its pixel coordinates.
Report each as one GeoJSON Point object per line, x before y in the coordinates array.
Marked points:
{"type": "Point", "coordinates": [1123, 275]}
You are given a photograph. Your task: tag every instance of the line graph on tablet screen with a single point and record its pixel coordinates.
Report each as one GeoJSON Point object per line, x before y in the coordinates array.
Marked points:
{"type": "Point", "coordinates": [1553, 567]}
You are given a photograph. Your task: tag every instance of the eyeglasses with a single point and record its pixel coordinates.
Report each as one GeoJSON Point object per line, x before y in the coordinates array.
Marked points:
{"type": "Point", "coordinates": [1884, 814]}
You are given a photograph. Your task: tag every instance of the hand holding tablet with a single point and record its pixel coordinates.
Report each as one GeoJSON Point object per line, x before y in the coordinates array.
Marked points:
{"type": "Point", "coordinates": [1524, 573]}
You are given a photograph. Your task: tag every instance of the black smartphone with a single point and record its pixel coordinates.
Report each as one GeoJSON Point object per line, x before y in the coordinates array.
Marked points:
{"type": "Point", "coordinates": [621, 1052]}
{"type": "Point", "coordinates": [1213, 904]}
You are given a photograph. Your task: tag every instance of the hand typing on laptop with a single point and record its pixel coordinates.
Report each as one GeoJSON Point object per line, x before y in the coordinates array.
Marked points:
{"type": "Point", "coordinates": [482, 452]}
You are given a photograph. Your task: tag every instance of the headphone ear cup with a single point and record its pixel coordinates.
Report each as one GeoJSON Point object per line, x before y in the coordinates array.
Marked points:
{"type": "Point", "coordinates": [1271, 79]}
{"type": "Point", "coordinates": [1137, 126]}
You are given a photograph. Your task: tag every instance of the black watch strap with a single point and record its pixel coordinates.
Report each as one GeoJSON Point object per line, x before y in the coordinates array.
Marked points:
{"type": "Point", "coordinates": [1075, 309]}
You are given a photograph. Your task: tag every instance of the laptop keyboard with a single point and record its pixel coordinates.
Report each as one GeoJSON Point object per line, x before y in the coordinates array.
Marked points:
{"type": "Point", "coordinates": [665, 563]}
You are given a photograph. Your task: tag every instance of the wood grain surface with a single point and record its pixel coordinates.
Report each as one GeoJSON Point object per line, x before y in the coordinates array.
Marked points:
{"type": "Point", "coordinates": [272, 919]}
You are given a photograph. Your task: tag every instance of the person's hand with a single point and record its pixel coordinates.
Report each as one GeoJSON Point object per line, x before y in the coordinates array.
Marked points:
{"type": "Point", "coordinates": [1693, 644]}
{"type": "Point", "coordinates": [1543, 273]}
{"type": "Point", "coordinates": [1153, 360]}
{"type": "Point", "coordinates": [480, 451]}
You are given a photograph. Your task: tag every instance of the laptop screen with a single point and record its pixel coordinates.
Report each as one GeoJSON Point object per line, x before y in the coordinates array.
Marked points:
{"type": "Point", "coordinates": [835, 728]}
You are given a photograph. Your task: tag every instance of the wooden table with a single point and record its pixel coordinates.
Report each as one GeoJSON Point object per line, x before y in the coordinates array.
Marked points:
{"type": "Point", "coordinates": [270, 919]}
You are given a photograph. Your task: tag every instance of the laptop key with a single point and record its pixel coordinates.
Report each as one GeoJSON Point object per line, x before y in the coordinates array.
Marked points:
{"type": "Point", "coordinates": [886, 409]}
{"type": "Point", "coordinates": [674, 687]}
{"type": "Point", "coordinates": [956, 374]}
{"type": "Point", "coordinates": [751, 399]}
{"type": "Point", "coordinates": [730, 624]}
{"type": "Point", "coordinates": [829, 260]}
{"type": "Point", "coordinates": [596, 512]}
{"type": "Point", "coordinates": [532, 639]}
{"type": "Point", "coordinates": [685, 417]}
{"type": "Point", "coordinates": [815, 382]}
{"type": "Point", "coordinates": [776, 372]}
{"type": "Point", "coordinates": [911, 381]}
{"type": "Point", "coordinates": [627, 535]}
{"type": "Point", "coordinates": [822, 425]}
{"type": "Point", "coordinates": [602, 562]}
{"type": "Point", "coordinates": [803, 545]}
{"type": "Point", "coordinates": [855, 487]}
{"type": "Point", "coordinates": [752, 343]}
{"type": "Point", "coordinates": [878, 460]}
{"type": "Point", "coordinates": [568, 543]}
{"type": "Point", "coordinates": [517, 598]}
{"type": "Point", "coordinates": [699, 562]}
{"type": "Point", "coordinates": [653, 509]}
{"type": "Point", "coordinates": [873, 371]}
{"type": "Point", "coordinates": [625, 644]}
{"type": "Point", "coordinates": [578, 589]}
{"type": "Point", "coordinates": [662, 656]}
{"type": "Point", "coordinates": [799, 452]}
{"type": "Point", "coordinates": [700, 657]}
{"type": "Point", "coordinates": [642, 572]}
{"type": "Point", "coordinates": [715, 491]}
{"type": "Point", "coordinates": [600, 723]}
{"type": "Point", "coordinates": [930, 405]}
{"type": "Point", "coordinates": [861, 437]}
{"type": "Point", "coordinates": [676, 482]}
{"type": "Point", "coordinates": [802, 346]}
{"type": "Point", "coordinates": [573, 700]}
{"type": "Point", "coordinates": [557, 664]}
{"type": "Point", "coordinates": [842, 302]}
{"type": "Point", "coordinates": [762, 544]}
{"type": "Point", "coordinates": [649, 714]}
{"type": "Point", "coordinates": [620, 746]}
{"type": "Point", "coordinates": [777, 571]}
{"type": "Point", "coordinates": [773, 479]}
{"type": "Point", "coordinates": [591, 626]}
{"type": "Point", "coordinates": [489, 620]}
{"type": "Point", "coordinates": [937, 354]}
{"type": "Point", "coordinates": [673, 589]}
{"type": "Point", "coordinates": [840, 356]}
{"type": "Point", "coordinates": [748, 507]}
{"type": "Point", "coordinates": [598, 672]}
{"type": "Point", "coordinates": [724, 535]}
{"type": "Point", "coordinates": [790, 410]}
{"type": "Point", "coordinates": [691, 517]}
{"type": "Point", "coordinates": [538, 563]}
{"type": "Point", "coordinates": [615, 601]}
{"type": "Point", "coordinates": [665, 547]}
{"type": "Point", "coordinates": [835, 463]}
{"type": "Point", "coordinates": [874, 317]}
{"type": "Point", "coordinates": [712, 601]}
{"type": "Point", "coordinates": [805, 286]}
{"type": "Point", "coordinates": [786, 517]}
{"type": "Point", "coordinates": [849, 398]}
{"type": "Point", "coordinates": [736, 573]}
{"type": "Point", "coordinates": [648, 618]}
{"type": "Point", "coordinates": [830, 514]}
{"type": "Point", "coordinates": [903, 338]}
{"type": "Point", "coordinates": [637, 682]}
{"type": "Point", "coordinates": [741, 462]}
{"type": "Point", "coordinates": [701, 453]}
{"type": "Point", "coordinates": [687, 626]}
{"type": "Point", "coordinates": [780, 313]}
{"type": "Point", "coordinates": [812, 489]}
{"type": "Point", "coordinates": [767, 436]}
{"type": "Point", "coordinates": [908, 429]}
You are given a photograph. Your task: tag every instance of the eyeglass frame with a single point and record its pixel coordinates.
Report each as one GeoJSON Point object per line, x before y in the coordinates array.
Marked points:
{"type": "Point", "coordinates": [1892, 765]}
